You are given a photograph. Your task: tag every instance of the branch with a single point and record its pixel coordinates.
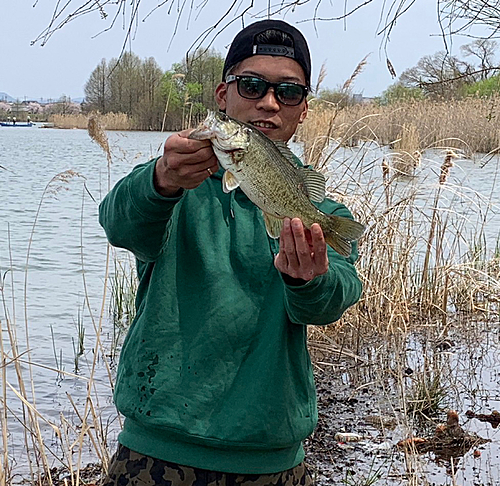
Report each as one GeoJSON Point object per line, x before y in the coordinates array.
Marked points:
{"type": "Point", "coordinates": [457, 78]}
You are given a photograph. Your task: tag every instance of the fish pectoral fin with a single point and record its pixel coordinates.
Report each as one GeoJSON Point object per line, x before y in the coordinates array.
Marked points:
{"type": "Point", "coordinates": [314, 184]}
{"type": "Point", "coordinates": [229, 182]}
{"type": "Point", "coordinates": [273, 225]}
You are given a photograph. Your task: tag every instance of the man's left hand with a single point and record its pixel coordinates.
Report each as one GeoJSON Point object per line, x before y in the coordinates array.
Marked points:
{"type": "Point", "coordinates": [302, 252]}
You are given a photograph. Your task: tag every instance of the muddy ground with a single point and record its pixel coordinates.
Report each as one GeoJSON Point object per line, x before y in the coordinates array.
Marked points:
{"type": "Point", "coordinates": [363, 400]}
{"type": "Point", "coordinates": [342, 409]}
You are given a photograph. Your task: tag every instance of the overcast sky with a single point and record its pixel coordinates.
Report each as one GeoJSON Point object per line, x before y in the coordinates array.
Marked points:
{"type": "Point", "coordinates": [63, 65]}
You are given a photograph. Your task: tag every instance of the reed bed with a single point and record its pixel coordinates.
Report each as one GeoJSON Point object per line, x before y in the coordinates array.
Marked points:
{"type": "Point", "coordinates": [469, 124]}
{"type": "Point", "coordinates": [419, 263]}
{"type": "Point", "coordinates": [422, 272]}
{"type": "Point", "coordinates": [109, 121]}
{"type": "Point", "coordinates": [80, 426]}
{"type": "Point", "coordinates": [428, 274]}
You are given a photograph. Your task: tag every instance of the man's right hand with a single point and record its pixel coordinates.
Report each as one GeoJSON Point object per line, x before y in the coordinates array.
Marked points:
{"type": "Point", "coordinates": [185, 164]}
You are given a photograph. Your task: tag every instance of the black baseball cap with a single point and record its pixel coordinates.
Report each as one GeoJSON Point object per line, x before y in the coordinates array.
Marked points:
{"type": "Point", "coordinates": [244, 45]}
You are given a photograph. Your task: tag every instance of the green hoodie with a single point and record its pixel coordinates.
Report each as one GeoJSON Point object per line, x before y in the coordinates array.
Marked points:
{"type": "Point", "coordinates": [214, 372]}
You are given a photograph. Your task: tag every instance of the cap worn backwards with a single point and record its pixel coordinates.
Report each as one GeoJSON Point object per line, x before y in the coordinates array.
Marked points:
{"type": "Point", "coordinates": [245, 45]}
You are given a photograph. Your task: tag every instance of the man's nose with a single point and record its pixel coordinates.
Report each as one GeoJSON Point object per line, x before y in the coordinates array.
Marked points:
{"type": "Point", "coordinates": [269, 101]}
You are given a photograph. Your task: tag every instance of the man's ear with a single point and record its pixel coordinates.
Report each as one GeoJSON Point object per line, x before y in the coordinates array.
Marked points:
{"type": "Point", "coordinates": [304, 112]}
{"type": "Point", "coordinates": [221, 95]}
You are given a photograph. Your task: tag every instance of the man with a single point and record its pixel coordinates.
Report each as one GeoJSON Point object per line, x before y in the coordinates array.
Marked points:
{"type": "Point", "coordinates": [215, 380]}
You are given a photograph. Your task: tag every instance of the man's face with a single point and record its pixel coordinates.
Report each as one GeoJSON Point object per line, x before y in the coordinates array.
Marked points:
{"type": "Point", "coordinates": [276, 120]}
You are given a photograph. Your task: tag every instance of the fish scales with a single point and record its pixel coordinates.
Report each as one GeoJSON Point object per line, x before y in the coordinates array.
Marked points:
{"type": "Point", "coordinates": [259, 179]}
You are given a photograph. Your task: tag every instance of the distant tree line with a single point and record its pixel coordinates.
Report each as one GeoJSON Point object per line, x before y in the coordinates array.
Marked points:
{"type": "Point", "coordinates": [38, 111]}
{"type": "Point", "coordinates": [153, 99]}
{"type": "Point", "coordinates": [442, 76]}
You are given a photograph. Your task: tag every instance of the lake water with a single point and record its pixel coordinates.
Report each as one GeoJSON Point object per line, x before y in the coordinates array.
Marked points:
{"type": "Point", "coordinates": [65, 271]}
{"type": "Point", "coordinates": [61, 281]}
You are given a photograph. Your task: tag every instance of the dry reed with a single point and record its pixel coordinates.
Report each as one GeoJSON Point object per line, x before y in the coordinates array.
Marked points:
{"type": "Point", "coordinates": [73, 437]}
{"type": "Point", "coordinates": [422, 280]}
{"type": "Point", "coordinates": [469, 124]}
{"type": "Point", "coordinates": [415, 262]}
{"type": "Point", "coordinates": [406, 154]}
{"type": "Point", "coordinates": [109, 121]}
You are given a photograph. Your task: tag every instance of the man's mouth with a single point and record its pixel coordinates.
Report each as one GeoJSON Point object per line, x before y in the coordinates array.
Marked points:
{"type": "Point", "coordinates": [262, 124]}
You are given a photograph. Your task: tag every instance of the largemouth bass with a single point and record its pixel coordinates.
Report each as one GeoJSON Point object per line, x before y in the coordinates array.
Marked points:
{"type": "Point", "coordinates": [266, 172]}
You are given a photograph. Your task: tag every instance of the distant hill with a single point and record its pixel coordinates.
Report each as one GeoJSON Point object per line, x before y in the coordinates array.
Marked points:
{"type": "Point", "coordinates": [6, 97]}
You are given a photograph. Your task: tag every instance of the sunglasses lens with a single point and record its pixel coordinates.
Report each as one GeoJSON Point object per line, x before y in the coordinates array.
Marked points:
{"type": "Point", "coordinates": [289, 94]}
{"type": "Point", "coordinates": [252, 88]}
{"type": "Point", "coordinates": [255, 88]}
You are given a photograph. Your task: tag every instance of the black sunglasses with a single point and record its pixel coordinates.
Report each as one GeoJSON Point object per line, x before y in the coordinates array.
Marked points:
{"type": "Point", "coordinates": [253, 88]}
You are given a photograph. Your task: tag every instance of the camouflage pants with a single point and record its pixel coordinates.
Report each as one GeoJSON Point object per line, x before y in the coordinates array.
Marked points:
{"type": "Point", "coordinates": [131, 468]}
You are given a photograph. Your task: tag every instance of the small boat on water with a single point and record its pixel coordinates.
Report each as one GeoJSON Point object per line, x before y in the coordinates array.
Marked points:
{"type": "Point", "coordinates": [17, 124]}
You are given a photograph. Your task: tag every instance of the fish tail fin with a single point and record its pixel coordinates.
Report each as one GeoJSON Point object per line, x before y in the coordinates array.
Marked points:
{"type": "Point", "coordinates": [340, 232]}
{"type": "Point", "coordinates": [341, 246]}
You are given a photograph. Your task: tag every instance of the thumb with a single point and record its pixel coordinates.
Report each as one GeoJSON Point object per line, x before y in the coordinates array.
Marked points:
{"type": "Point", "coordinates": [185, 133]}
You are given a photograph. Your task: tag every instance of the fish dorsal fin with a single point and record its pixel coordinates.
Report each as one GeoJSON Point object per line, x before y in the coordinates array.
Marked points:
{"type": "Point", "coordinates": [273, 225]}
{"type": "Point", "coordinates": [314, 184]}
{"type": "Point", "coordinates": [285, 151]}
{"type": "Point", "coordinates": [229, 182]}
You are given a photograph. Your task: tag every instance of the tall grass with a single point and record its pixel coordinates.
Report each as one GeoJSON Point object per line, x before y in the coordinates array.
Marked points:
{"type": "Point", "coordinates": [415, 257]}
{"type": "Point", "coordinates": [122, 303]}
{"type": "Point", "coordinates": [469, 124]}
{"type": "Point", "coordinates": [424, 261]}
{"type": "Point", "coordinates": [109, 121]}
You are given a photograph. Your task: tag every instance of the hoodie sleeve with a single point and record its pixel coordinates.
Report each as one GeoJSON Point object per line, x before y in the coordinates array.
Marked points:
{"type": "Point", "coordinates": [135, 216]}
{"type": "Point", "coordinates": [325, 298]}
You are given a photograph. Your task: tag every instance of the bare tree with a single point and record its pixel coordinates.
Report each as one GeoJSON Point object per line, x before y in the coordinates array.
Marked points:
{"type": "Point", "coordinates": [148, 111]}
{"type": "Point", "coordinates": [203, 67]}
{"type": "Point", "coordinates": [124, 82]}
{"type": "Point", "coordinates": [460, 15]}
{"type": "Point", "coordinates": [456, 16]}
{"type": "Point", "coordinates": [484, 50]}
{"type": "Point", "coordinates": [128, 13]}
{"type": "Point", "coordinates": [439, 75]}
